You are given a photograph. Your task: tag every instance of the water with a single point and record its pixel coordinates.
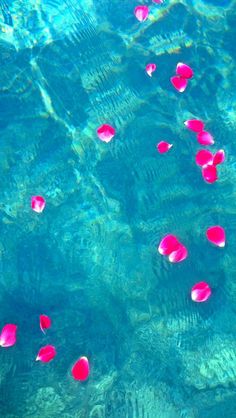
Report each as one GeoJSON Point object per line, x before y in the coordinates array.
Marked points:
{"type": "Point", "coordinates": [89, 261]}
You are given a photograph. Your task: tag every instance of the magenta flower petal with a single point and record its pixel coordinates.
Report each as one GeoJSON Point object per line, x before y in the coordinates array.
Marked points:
{"type": "Point", "coordinates": [168, 244]}
{"type": "Point", "coordinates": [81, 369]}
{"type": "Point", "coordinates": [219, 157]}
{"type": "Point", "coordinates": [216, 235]}
{"type": "Point", "coordinates": [205, 138]}
{"type": "Point", "coordinates": [184, 70]}
{"type": "Point", "coordinates": [38, 203]}
{"type": "Point", "coordinates": [194, 125]}
{"type": "Point", "coordinates": [44, 322]}
{"type": "Point", "coordinates": [150, 68]}
{"type": "Point", "coordinates": [179, 83]}
{"type": "Point", "coordinates": [46, 353]}
{"type": "Point", "coordinates": [8, 335]}
{"type": "Point", "coordinates": [163, 147]}
{"type": "Point", "coordinates": [209, 173]}
{"type": "Point", "coordinates": [178, 255]}
{"type": "Point", "coordinates": [200, 292]}
{"type": "Point", "coordinates": [105, 133]}
{"type": "Point", "coordinates": [141, 13]}
{"type": "Point", "coordinates": [204, 157]}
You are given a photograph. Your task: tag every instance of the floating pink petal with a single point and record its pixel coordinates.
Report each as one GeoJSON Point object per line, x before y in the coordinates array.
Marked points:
{"type": "Point", "coordinates": [194, 125]}
{"type": "Point", "coordinates": [184, 70]}
{"type": "Point", "coordinates": [8, 335]}
{"type": "Point", "coordinates": [216, 235]}
{"type": "Point", "coordinates": [81, 369]}
{"type": "Point", "coordinates": [205, 138]}
{"type": "Point", "coordinates": [219, 157]}
{"type": "Point", "coordinates": [204, 157]}
{"type": "Point", "coordinates": [105, 132]}
{"type": "Point", "coordinates": [179, 83]}
{"type": "Point", "coordinates": [46, 353]}
{"type": "Point", "coordinates": [141, 13]}
{"type": "Point", "coordinates": [209, 173]}
{"type": "Point", "coordinates": [158, 1]}
{"type": "Point", "coordinates": [44, 322]}
{"type": "Point", "coordinates": [168, 244]}
{"type": "Point", "coordinates": [150, 68]}
{"type": "Point", "coordinates": [178, 255]}
{"type": "Point", "coordinates": [38, 203]}
{"type": "Point", "coordinates": [163, 147]}
{"type": "Point", "coordinates": [200, 292]}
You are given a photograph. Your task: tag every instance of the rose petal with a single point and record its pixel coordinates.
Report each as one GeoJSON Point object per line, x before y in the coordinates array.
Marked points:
{"type": "Point", "coordinates": [46, 353]}
{"type": "Point", "coordinates": [204, 157]}
{"type": "Point", "coordinates": [209, 173]}
{"type": "Point", "coordinates": [141, 13]}
{"type": "Point", "coordinates": [216, 235]}
{"type": "Point", "coordinates": [168, 244]}
{"type": "Point", "coordinates": [179, 83]}
{"type": "Point", "coordinates": [163, 147]}
{"type": "Point", "coordinates": [44, 322]}
{"type": "Point", "coordinates": [194, 125]}
{"type": "Point", "coordinates": [150, 68]}
{"type": "Point", "coordinates": [219, 157]}
{"type": "Point", "coordinates": [38, 203]}
{"type": "Point", "coordinates": [205, 138]}
{"type": "Point", "coordinates": [105, 133]}
{"type": "Point", "coordinates": [8, 335]}
{"type": "Point", "coordinates": [179, 255]}
{"type": "Point", "coordinates": [184, 70]}
{"type": "Point", "coordinates": [200, 292]}
{"type": "Point", "coordinates": [81, 369]}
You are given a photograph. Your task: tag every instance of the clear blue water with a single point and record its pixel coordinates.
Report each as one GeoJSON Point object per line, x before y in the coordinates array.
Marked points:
{"type": "Point", "coordinates": [90, 260]}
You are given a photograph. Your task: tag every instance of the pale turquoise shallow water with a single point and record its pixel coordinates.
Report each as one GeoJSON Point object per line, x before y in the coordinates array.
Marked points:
{"type": "Point", "coordinates": [89, 260]}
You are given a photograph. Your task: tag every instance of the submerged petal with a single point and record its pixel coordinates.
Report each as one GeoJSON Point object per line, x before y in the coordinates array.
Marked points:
{"type": "Point", "coordinates": [163, 147]}
{"type": "Point", "coordinates": [141, 13]}
{"type": "Point", "coordinates": [200, 292]}
{"type": "Point", "coordinates": [168, 244]}
{"type": "Point", "coordinates": [8, 335]}
{"type": "Point", "coordinates": [216, 235]}
{"type": "Point", "coordinates": [46, 353]}
{"type": "Point", "coordinates": [105, 132]}
{"type": "Point", "coordinates": [209, 173]}
{"type": "Point", "coordinates": [204, 157]}
{"type": "Point", "coordinates": [194, 125]}
{"type": "Point", "coordinates": [219, 157]}
{"type": "Point", "coordinates": [150, 68]}
{"type": "Point", "coordinates": [44, 322]}
{"type": "Point", "coordinates": [179, 83]}
{"type": "Point", "coordinates": [38, 203]}
{"type": "Point", "coordinates": [81, 369]}
{"type": "Point", "coordinates": [178, 255]}
{"type": "Point", "coordinates": [205, 138]}
{"type": "Point", "coordinates": [184, 70]}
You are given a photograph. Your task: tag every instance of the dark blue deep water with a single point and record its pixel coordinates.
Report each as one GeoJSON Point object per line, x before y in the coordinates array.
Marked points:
{"type": "Point", "coordinates": [90, 259]}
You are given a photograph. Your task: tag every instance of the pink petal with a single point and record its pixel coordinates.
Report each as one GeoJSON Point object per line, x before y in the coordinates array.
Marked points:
{"type": "Point", "coordinates": [200, 292]}
{"type": "Point", "coordinates": [216, 235]}
{"type": "Point", "coordinates": [204, 157]}
{"type": "Point", "coordinates": [179, 83]}
{"type": "Point", "coordinates": [168, 244]}
{"type": "Point", "coordinates": [46, 353]}
{"type": "Point", "coordinates": [44, 322]}
{"type": "Point", "coordinates": [209, 173]}
{"type": "Point", "coordinates": [158, 1]}
{"type": "Point", "coordinates": [8, 335]}
{"type": "Point", "coordinates": [184, 70]}
{"type": "Point", "coordinates": [141, 13]}
{"type": "Point", "coordinates": [205, 138]}
{"type": "Point", "coordinates": [81, 369]}
{"type": "Point", "coordinates": [163, 147]}
{"type": "Point", "coordinates": [219, 157]}
{"type": "Point", "coordinates": [150, 68]}
{"type": "Point", "coordinates": [194, 125]}
{"type": "Point", "coordinates": [105, 132]}
{"type": "Point", "coordinates": [38, 203]}
{"type": "Point", "coordinates": [179, 255]}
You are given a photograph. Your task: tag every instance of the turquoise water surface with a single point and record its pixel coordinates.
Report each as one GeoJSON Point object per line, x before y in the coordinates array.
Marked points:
{"type": "Point", "coordinates": [90, 259]}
